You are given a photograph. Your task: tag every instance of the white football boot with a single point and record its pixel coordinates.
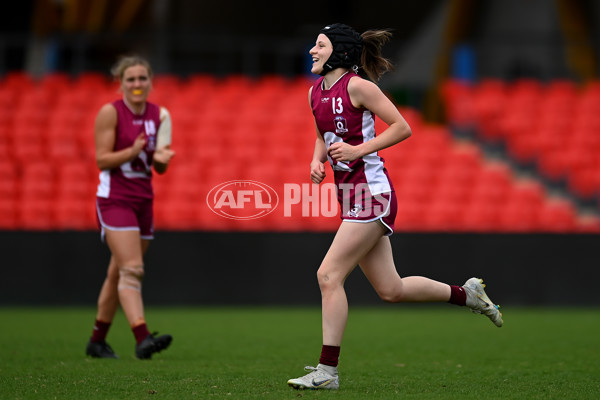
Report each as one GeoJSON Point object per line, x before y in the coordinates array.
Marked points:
{"type": "Point", "coordinates": [321, 377]}
{"type": "Point", "coordinates": [480, 303]}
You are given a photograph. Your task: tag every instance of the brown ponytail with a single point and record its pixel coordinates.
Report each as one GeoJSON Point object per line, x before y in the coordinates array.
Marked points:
{"type": "Point", "coordinates": [373, 63]}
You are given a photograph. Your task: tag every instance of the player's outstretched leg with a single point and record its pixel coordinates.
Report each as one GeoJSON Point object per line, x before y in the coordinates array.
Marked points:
{"type": "Point", "coordinates": [321, 377]}
{"type": "Point", "coordinates": [480, 303]}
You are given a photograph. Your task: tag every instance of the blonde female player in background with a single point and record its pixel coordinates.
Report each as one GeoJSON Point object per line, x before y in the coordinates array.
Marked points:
{"type": "Point", "coordinates": [344, 105]}
{"type": "Point", "coordinates": [132, 137]}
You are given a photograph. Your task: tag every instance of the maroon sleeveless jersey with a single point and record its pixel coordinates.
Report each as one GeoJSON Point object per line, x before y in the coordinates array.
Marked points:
{"type": "Point", "coordinates": [338, 120]}
{"type": "Point", "coordinates": [132, 179]}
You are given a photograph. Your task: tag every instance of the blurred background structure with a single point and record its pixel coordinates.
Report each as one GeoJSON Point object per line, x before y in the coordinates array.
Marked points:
{"type": "Point", "coordinates": [502, 96]}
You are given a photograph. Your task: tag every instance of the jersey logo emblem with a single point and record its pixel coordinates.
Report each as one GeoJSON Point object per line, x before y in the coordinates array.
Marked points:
{"type": "Point", "coordinates": [341, 126]}
{"type": "Point", "coordinates": [355, 211]}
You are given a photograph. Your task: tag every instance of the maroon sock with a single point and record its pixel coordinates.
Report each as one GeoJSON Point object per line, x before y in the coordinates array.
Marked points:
{"type": "Point", "coordinates": [100, 331]}
{"type": "Point", "coordinates": [458, 295]}
{"type": "Point", "coordinates": [330, 355]}
{"type": "Point", "coordinates": [140, 332]}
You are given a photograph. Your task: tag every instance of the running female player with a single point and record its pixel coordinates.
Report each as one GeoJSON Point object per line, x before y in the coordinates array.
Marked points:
{"type": "Point", "coordinates": [344, 106]}
{"type": "Point", "coordinates": [126, 132]}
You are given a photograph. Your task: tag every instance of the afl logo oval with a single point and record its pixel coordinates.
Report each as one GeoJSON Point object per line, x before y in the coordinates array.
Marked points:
{"type": "Point", "coordinates": [242, 200]}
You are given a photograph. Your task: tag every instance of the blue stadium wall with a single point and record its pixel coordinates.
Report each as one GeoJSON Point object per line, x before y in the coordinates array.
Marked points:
{"type": "Point", "coordinates": [205, 268]}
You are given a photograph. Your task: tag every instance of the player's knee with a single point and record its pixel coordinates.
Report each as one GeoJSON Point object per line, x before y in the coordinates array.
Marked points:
{"type": "Point", "coordinates": [326, 280]}
{"type": "Point", "coordinates": [131, 278]}
{"type": "Point", "coordinates": [389, 297]}
{"type": "Point", "coordinates": [390, 294]}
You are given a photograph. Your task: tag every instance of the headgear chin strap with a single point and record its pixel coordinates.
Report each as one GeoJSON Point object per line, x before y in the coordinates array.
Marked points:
{"type": "Point", "coordinates": [347, 47]}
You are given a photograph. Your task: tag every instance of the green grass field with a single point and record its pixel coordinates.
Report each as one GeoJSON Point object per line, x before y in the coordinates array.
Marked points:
{"type": "Point", "coordinates": [389, 352]}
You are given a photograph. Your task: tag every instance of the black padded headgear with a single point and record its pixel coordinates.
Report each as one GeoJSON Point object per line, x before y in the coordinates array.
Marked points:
{"type": "Point", "coordinates": [347, 47]}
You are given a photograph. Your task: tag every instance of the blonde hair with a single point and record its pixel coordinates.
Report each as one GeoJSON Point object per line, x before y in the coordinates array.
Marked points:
{"type": "Point", "coordinates": [125, 62]}
{"type": "Point", "coordinates": [373, 62]}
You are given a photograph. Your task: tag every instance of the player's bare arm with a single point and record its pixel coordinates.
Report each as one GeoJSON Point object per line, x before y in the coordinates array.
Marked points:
{"type": "Point", "coordinates": [104, 132]}
{"type": "Point", "coordinates": [364, 93]}
{"type": "Point", "coordinates": [163, 153]}
{"type": "Point", "coordinates": [317, 165]}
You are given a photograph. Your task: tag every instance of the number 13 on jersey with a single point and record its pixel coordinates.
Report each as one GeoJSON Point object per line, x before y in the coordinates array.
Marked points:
{"type": "Point", "coordinates": [337, 106]}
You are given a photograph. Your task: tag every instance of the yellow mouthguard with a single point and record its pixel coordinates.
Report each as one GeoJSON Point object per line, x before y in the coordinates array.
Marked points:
{"type": "Point", "coordinates": [137, 91]}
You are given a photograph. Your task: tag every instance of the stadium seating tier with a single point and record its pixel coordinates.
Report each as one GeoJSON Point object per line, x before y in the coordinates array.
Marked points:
{"type": "Point", "coordinates": [239, 128]}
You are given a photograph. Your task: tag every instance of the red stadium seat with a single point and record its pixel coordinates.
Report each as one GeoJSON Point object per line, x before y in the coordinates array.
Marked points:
{"type": "Point", "coordinates": [492, 184]}
{"type": "Point", "coordinates": [164, 80]}
{"type": "Point", "coordinates": [319, 224]}
{"type": "Point", "coordinates": [586, 182]}
{"type": "Point", "coordinates": [74, 214]}
{"type": "Point", "coordinates": [521, 211]}
{"type": "Point", "coordinates": [524, 146]}
{"type": "Point", "coordinates": [55, 82]}
{"type": "Point", "coordinates": [18, 80]}
{"type": "Point", "coordinates": [6, 148]}
{"type": "Point", "coordinates": [28, 144]}
{"type": "Point", "coordinates": [588, 224]}
{"type": "Point", "coordinates": [481, 216]}
{"type": "Point", "coordinates": [489, 100]}
{"type": "Point", "coordinates": [528, 193]}
{"type": "Point", "coordinates": [10, 180]}
{"type": "Point", "coordinates": [209, 221]}
{"type": "Point", "coordinates": [443, 216]}
{"type": "Point", "coordinates": [8, 213]}
{"type": "Point", "coordinates": [200, 83]}
{"type": "Point", "coordinates": [37, 181]}
{"type": "Point", "coordinates": [461, 165]}
{"type": "Point", "coordinates": [91, 81]}
{"type": "Point", "coordinates": [8, 98]}
{"type": "Point", "coordinates": [76, 179]}
{"type": "Point", "coordinates": [165, 88]}
{"type": "Point", "coordinates": [458, 99]}
{"type": "Point", "coordinates": [411, 215]}
{"type": "Point", "coordinates": [36, 100]}
{"type": "Point", "coordinates": [525, 90]}
{"type": "Point", "coordinates": [63, 149]}
{"type": "Point", "coordinates": [558, 216]}
{"type": "Point", "coordinates": [36, 213]}
{"type": "Point", "coordinates": [452, 191]}
{"type": "Point", "coordinates": [516, 217]}
{"type": "Point", "coordinates": [416, 184]}
{"type": "Point", "coordinates": [175, 213]}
